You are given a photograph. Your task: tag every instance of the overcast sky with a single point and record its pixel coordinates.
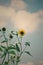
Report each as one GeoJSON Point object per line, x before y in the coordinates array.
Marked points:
{"type": "Point", "coordinates": [27, 15]}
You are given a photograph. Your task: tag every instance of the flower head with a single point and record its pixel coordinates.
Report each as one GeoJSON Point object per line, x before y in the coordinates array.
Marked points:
{"type": "Point", "coordinates": [11, 36]}
{"type": "Point", "coordinates": [3, 29]}
{"type": "Point", "coordinates": [21, 32]}
{"type": "Point", "coordinates": [0, 29]}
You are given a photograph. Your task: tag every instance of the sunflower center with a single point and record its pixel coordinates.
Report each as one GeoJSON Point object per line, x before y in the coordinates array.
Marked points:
{"type": "Point", "coordinates": [22, 33]}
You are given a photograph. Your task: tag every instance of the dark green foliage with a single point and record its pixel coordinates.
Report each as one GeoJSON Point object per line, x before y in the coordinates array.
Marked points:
{"type": "Point", "coordinates": [11, 47]}
{"type": "Point", "coordinates": [1, 49]}
{"type": "Point", "coordinates": [27, 52]}
{"type": "Point", "coordinates": [4, 54]}
{"type": "Point", "coordinates": [27, 44]}
{"type": "Point", "coordinates": [5, 63]}
{"type": "Point", "coordinates": [17, 47]}
{"type": "Point", "coordinates": [14, 51]}
{"type": "Point", "coordinates": [0, 30]}
{"type": "Point", "coordinates": [4, 41]}
{"type": "Point", "coordinates": [18, 59]}
{"type": "Point", "coordinates": [10, 36]}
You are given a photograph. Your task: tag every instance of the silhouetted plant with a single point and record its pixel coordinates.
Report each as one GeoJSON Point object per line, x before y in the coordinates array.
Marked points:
{"type": "Point", "coordinates": [13, 52]}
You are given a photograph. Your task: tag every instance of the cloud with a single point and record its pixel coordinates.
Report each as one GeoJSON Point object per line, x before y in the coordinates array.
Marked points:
{"type": "Point", "coordinates": [21, 19]}
{"type": "Point", "coordinates": [5, 14]}
{"type": "Point", "coordinates": [40, 14]}
{"type": "Point", "coordinates": [26, 20]}
{"type": "Point", "coordinates": [18, 4]}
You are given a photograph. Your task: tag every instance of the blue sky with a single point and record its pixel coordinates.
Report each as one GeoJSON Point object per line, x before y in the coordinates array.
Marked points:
{"type": "Point", "coordinates": [35, 4]}
{"type": "Point", "coordinates": [5, 2]}
{"type": "Point", "coordinates": [26, 14]}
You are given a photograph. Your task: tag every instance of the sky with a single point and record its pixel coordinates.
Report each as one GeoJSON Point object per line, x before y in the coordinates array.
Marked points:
{"type": "Point", "coordinates": [27, 15]}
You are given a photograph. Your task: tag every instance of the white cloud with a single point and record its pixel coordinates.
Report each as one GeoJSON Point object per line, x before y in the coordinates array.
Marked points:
{"type": "Point", "coordinates": [5, 14]}
{"type": "Point", "coordinates": [18, 4]}
{"type": "Point", "coordinates": [26, 20]}
{"type": "Point", "coordinates": [21, 19]}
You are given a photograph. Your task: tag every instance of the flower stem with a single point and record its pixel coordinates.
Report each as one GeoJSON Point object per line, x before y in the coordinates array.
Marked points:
{"type": "Point", "coordinates": [7, 46]}
{"type": "Point", "coordinates": [3, 59]}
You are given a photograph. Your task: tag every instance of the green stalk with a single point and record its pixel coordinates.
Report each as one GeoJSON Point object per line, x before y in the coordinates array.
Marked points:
{"type": "Point", "coordinates": [6, 44]}
{"type": "Point", "coordinates": [7, 51]}
{"type": "Point", "coordinates": [21, 45]}
{"type": "Point", "coordinates": [12, 61]}
{"type": "Point", "coordinates": [3, 59]}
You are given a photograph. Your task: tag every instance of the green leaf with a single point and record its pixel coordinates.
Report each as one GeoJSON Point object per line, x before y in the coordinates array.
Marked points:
{"type": "Point", "coordinates": [28, 53]}
{"type": "Point", "coordinates": [4, 41]}
{"type": "Point", "coordinates": [0, 30]}
{"type": "Point", "coordinates": [18, 59]}
{"type": "Point", "coordinates": [1, 49]}
{"type": "Point", "coordinates": [27, 44]}
{"type": "Point", "coordinates": [11, 47]}
{"type": "Point", "coordinates": [0, 64]}
{"type": "Point", "coordinates": [4, 54]}
{"type": "Point", "coordinates": [6, 63]}
{"type": "Point", "coordinates": [17, 47]}
{"type": "Point", "coordinates": [12, 52]}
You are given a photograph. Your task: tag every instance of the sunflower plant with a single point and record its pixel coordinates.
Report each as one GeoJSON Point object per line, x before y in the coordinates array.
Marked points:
{"type": "Point", "coordinates": [11, 53]}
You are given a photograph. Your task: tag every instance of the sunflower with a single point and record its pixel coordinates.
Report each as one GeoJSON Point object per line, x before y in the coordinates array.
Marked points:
{"type": "Point", "coordinates": [3, 29]}
{"type": "Point", "coordinates": [21, 32]}
{"type": "Point", "coordinates": [10, 36]}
